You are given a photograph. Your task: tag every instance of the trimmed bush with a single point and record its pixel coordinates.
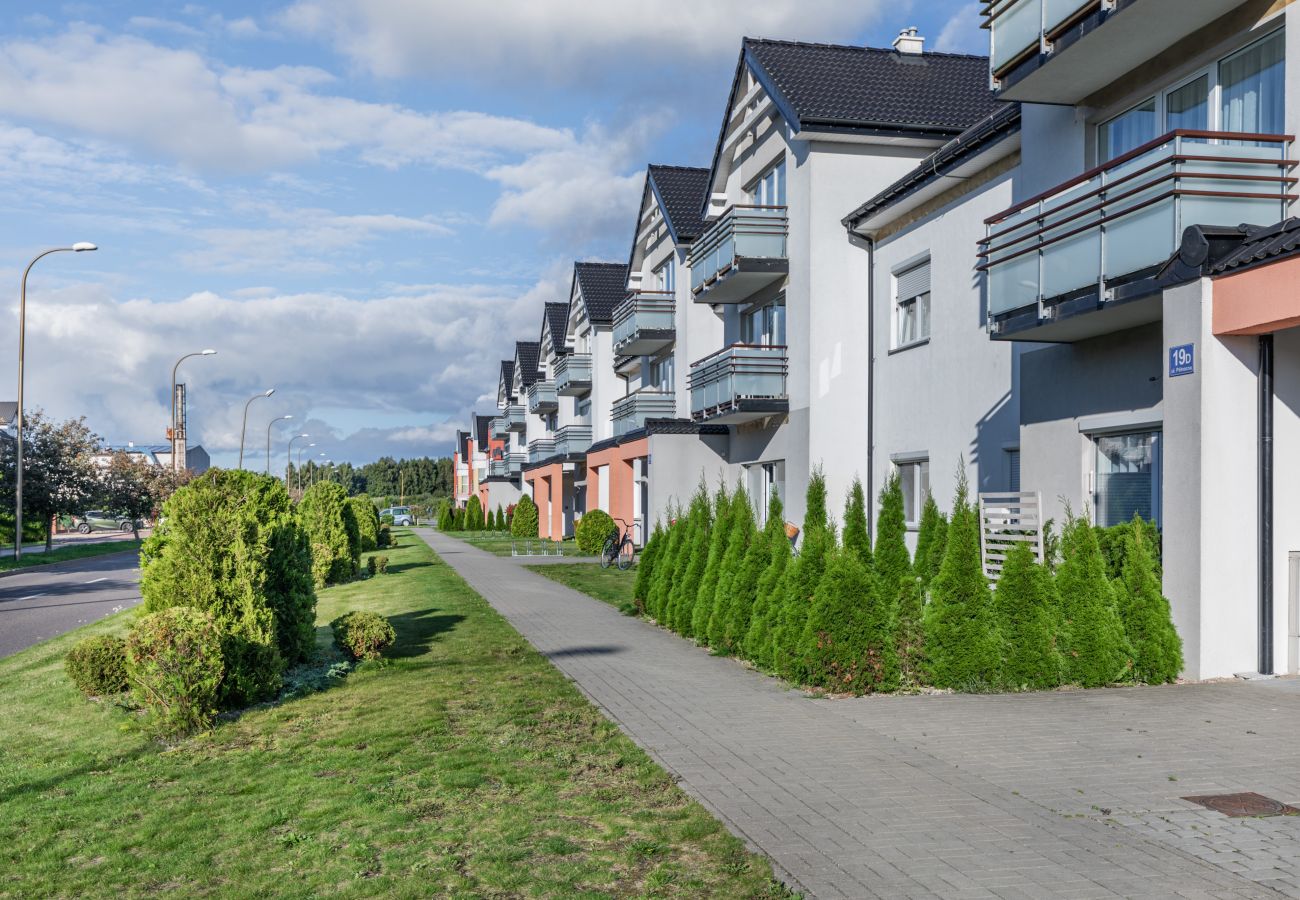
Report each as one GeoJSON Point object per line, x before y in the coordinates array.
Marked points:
{"type": "Point", "coordinates": [1096, 650]}
{"type": "Point", "coordinates": [856, 537]}
{"type": "Point", "coordinates": [524, 524]}
{"type": "Point", "coordinates": [385, 537]}
{"type": "Point", "coordinates": [97, 665]}
{"type": "Point", "coordinates": [850, 641]}
{"type": "Point", "coordinates": [363, 635]}
{"type": "Point", "coordinates": [332, 530]}
{"type": "Point", "coordinates": [962, 644]}
{"type": "Point", "coordinates": [1148, 623]}
{"type": "Point", "coordinates": [592, 530]}
{"type": "Point", "coordinates": [769, 594]}
{"type": "Point", "coordinates": [1029, 618]}
{"type": "Point", "coordinates": [367, 518]}
{"type": "Point", "coordinates": [174, 666]}
{"type": "Point", "coordinates": [695, 558]}
{"type": "Point", "coordinates": [732, 589]}
{"type": "Point", "coordinates": [381, 564]}
{"type": "Point", "coordinates": [645, 567]}
{"type": "Point", "coordinates": [228, 543]}
{"type": "Point", "coordinates": [719, 538]}
{"type": "Point", "coordinates": [371, 566]}
{"type": "Point", "coordinates": [386, 519]}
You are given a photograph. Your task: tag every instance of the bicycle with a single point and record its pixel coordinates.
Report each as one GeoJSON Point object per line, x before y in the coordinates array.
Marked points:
{"type": "Point", "coordinates": [619, 550]}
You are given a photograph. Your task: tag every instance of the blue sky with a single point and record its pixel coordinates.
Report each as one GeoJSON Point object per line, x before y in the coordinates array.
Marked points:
{"type": "Point", "coordinates": [362, 203]}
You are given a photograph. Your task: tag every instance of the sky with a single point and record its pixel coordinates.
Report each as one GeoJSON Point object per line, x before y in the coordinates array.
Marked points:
{"type": "Point", "coordinates": [360, 203]}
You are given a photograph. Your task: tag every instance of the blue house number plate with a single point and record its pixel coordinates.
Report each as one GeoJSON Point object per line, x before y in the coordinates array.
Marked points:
{"type": "Point", "coordinates": [1182, 360]}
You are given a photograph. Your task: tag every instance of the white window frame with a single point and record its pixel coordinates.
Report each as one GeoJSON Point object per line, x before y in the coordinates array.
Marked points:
{"type": "Point", "coordinates": [761, 191]}
{"type": "Point", "coordinates": [917, 301]}
{"type": "Point", "coordinates": [920, 488]}
{"type": "Point", "coordinates": [665, 275]}
{"type": "Point", "coordinates": [661, 374]}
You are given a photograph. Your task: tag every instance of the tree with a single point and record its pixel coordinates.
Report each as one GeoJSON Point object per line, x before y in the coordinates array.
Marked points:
{"type": "Point", "coordinates": [1096, 650]}
{"type": "Point", "coordinates": [770, 588]}
{"type": "Point", "coordinates": [719, 538]}
{"type": "Point", "coordinates": [930, 540]}
{"type": "Point", "coordinates": [963, 648]}
{"type": "Point", "coordinates": [898, 586]}
{"type": "Point", "coordinates": [850, 641]}
{"type": "Point", "coordinates": [801, 581]}
{"type": "Point", "coordinates": [856, 537]}
{"type": "Point", "coordinates": [474, 515]}
{"type": "Point", "coordinates": [665, 566]}
{"type": "Point", "coordinates": [732, 589]}
{"type": "Point", "coordinates": [125, 488]}
{"type": "Point", "coordinates": [332, 531]}
{"type": "Point", "coordinates": [500, 523]}
{"type": "Point", "coordinates": [367, 518]}
{"type": "Point", "coordinates": [59, 471]}
{"type": "Point", "coordinates": [524, 524]}
{"type": "Point", "coordinates": [691, 567]}
{"type": "Point", "coordinates": [1148, 623]}
{"type": "Point", "coordinates": [1029, 617]}
{"type": "Point", "coordinates": [645, 567]}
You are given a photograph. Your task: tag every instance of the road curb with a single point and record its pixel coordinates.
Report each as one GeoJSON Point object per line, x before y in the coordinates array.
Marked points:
{"type": "Point", "coordinates": [57, 566]}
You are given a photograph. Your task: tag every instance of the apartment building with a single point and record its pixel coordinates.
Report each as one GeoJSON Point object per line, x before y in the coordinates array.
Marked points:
{"type": "Point", "coordinates": [1145, 270]}
{"type": "Point", "coordinates": [461, 469]}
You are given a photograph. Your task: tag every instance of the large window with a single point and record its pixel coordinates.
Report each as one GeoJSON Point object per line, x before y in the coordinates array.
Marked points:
{"type": "Point", "coordinates": [914, 478]}
{"type": "Point", "coordinates": [1128, 475]}
{"type": "Point", "coordinates": [766, 479]}
{"type": "Point", "coordinates": [662, 372]}
{"type": "Point", "coordinates": [769, 190]}
{"type": "Point", "coordinates": [665, 277]}
{"type": "Point", "coordinates": [1245, 92]}
{"type": "Point", "coordinates": [764, 326]}
{"type": "Point", "coordinates": [912, 305]}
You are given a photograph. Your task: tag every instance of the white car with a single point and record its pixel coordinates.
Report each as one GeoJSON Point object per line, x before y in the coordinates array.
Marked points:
{"type": "Point", "coordinates": [401, 515]}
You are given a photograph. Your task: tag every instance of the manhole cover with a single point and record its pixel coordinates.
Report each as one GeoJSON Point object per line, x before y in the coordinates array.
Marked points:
{"type": "Point", "coordinates": [1244, 805]}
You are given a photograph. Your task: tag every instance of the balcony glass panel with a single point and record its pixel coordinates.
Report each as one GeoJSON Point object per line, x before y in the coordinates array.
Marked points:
{"type": "Point", "coordinates": [541, 397]}
{"type": "Point", "coordinates": [1129, 215]}
{"type": "Point", "coordinates": [742, 232]}
{"type": "Point", "coordinates": [498, 427]}
{"type": "Point", "coordinates": [630, 412]}
{"type": "Point", "coordinates": [513, 417]}
{"type": "Point", "coordinates": [642, 319]}
{"type": "Point", "coordinates": [740, 372]}
{"type": "Point", "coordinates": [573, 374]}
{"type": "Point", "coordinates": [1016, 26]}
{"type": "Point", "coordinates": [572, 439]}
{"type": "Point", "coordinates": [540, 449]}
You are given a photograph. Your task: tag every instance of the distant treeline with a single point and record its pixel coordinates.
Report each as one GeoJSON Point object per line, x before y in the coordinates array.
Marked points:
{"type": "Point", "coordinates": [423, 477]}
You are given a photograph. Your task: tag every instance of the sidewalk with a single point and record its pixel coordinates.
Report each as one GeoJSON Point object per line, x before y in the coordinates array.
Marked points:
{"type": "Point", "coordinates": [1013, 796]}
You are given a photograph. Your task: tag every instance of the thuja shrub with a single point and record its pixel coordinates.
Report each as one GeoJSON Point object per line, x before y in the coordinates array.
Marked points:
{"type": "Point", "coordinates": [174, 667]}
{"type": "Point", "coordinates": [931, 538]}
{"type": "Point", "coordinates": [897, 581]}
{"type": "Point", "coordinates": [645, 568]}
{"type": "Point", "coordinates": [474, 514]}
{"type": "Point", "coordinates": [1029, 620]}
{"type": "Point", "coordinates": [1148, 623]}
{"type": "Point", "coordinates": [962, 644]}
{"type": "Point", "coordinates": [332, 531]}
{"type": "Point", "coordinates": [665, 565]}
{"type": "Point", "coordinates": [229, 543]}
{"type": "Point", "coordinates": [856, 537]}
{"type": "Point", "coordinates": [363, 635]}
{"type": "Point", "coordinates": [499, 520]}
{"type": "Point", "coordinates": [719, 537]}
{"type": "Point", "coordinates": [367, 518]}
{"type": "Point", "coordinates": [1113, 544]}
{"type": "Point", "coordinates": [769, 593]}
{"type": "Point", "coordinates": [801, 582]}
{"type": "Point", "coordinates": [524, 524]}
{"type": "Point", "coordinates": [850, 642]}
{"type": "Point", "coordinates": [97, 665]}
{"type": "Point", "coordinates": [731, 589]}
{"type": "Point", "coordinates": [385, 536]}
{"type": "Point", "coordinates": [1096, 650]}
{"type": "Point", "coordinates": [692, 559]}
{"type": "Point", "coordinates": [381, 564]}
{"type": "Point", "coordinates": [593, 530]}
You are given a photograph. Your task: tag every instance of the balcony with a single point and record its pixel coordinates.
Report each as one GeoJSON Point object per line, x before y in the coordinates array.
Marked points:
{"type": "Point", "coordinates": [498, 468]}
{"type": "Point", "coordinates": [513, 417]}
{"type": "Point", "coordinates": [572, 440]}
{"type": "Point", "coordinates": [1061, 51]}
{"type": "Point", "coordinates": [739, 384]}
{"type": "Point", "coordinates": [540, 450]}
{"type": "Point", "coordinates": [631, 412]}
{"type": "Point", "coordinates": [541, 397]}
{"type": "Point", "coordinates": [498, 427]}
{"type": "Point", "coordinates": [743, 251]}
{"type": "Point", "coordinates": [573, 374]}
{"type": "Point", "coordinates": [643, 323]}
{"type": "Point", "coordinates": [1092, 243]}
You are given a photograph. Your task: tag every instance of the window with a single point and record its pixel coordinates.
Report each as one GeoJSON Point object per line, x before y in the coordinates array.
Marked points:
{"type": "Point", "coordinates": [662, 372]}
{"type": "Point", "coordinates": [1128, 475]}
{"type": "Point", "coordinates": [912, 305]}
{"type": "Point", "coordinates": [764, 326]}
{"type": "Point", "coordinates": [914, 477]}
{"type": "Point", "coordinates": [769, 190]}
{"type": "Point", "coordinates": [1013, 471]}
{"type": "Point", "coordinates": [764, 480]}
{"type": "Point", "coordinates": [584, 410]}
{"type": "Point", "coordinates": [1245, 92]}
{"type": "Point", "coordinates": [665, 277]}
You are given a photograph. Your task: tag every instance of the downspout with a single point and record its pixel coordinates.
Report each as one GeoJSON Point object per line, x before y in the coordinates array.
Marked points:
{"type": "Point", "coordinates": [1266, 504]}
{"type": "Point", "coordinates": [871, 388]}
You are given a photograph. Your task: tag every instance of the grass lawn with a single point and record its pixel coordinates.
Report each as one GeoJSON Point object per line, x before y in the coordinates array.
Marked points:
{"type": "Point", "coordinates": [499, 543]}
{"type": "Point", "coordinates": [610, 585]}
{"type": "Point", "coordinates": [64, 554]}
{"type": "Point", "coordinates": [464, 766]}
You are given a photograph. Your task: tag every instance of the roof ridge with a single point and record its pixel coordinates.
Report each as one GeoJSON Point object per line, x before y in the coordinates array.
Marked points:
{"type": "Point", "coordinates": [828, 46]}
{"type": "Point", "coordinates": [679, 168]}
{"type": "Point", "coordinates": [599, 263]}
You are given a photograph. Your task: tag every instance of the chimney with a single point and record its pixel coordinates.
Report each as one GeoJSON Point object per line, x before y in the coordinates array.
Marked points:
{"type": "Point", "coordinates": [909, 42]}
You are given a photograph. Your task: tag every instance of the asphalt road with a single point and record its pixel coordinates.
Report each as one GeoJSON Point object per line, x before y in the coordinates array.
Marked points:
{"type": "Point", "coordinates": [46, 601]}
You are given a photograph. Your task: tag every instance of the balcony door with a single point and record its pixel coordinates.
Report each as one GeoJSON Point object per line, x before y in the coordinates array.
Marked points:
{"type": "Point", "coordinates": [1127, 477]}
{"type": "Point", "coordinates": [764, 326]}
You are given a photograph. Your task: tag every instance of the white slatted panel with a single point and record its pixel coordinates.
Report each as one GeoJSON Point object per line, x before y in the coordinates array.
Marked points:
{"type": "Point", "coordinates": [1005, 521]}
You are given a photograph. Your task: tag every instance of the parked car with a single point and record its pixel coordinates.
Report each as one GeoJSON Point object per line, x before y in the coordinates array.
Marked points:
{"type": "Point", "coordinates": [97, 520]}
{"type": "Point", "coordinates": [401, 515]}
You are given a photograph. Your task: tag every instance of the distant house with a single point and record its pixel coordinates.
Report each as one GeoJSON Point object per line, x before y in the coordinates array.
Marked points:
{"type": "Point", "coordinates": [156, 455]}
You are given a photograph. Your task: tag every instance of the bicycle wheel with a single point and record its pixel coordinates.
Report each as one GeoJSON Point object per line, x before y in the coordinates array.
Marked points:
{"type": "Point", "coordinates": [608, 552]}
{"type": "Point", "coordinates": [626, 554]}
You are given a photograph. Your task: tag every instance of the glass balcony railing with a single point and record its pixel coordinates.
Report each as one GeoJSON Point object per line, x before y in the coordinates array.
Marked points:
{"type": "Point", "coordinates": [573, 374]}
{"type": "Point", "coordinates": [513, 417]}
{"type": "Point", "coordinates": [631, 412]}
{"type": "Point", "coordinates": [643, 323]}
{"type": "Point", "coordinates": [740, 383]}
{"type": "Point", "coordinates": [1128, 216]}
{"type": "Point", "coordinates": [572, 440]}
{"type": "Point", "coordinates": [540, 449]}
{"type": "Point", "coordinates": [498, 468]}
{"type": "Point", "coordinates": [541, 397]}
{"type": "Point", "coordinates": [498, 427]}
{"type": "Point", "coordinates": [744, 250]}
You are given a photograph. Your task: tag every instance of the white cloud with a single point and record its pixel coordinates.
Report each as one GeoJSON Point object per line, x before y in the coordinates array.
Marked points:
{"type": "Point", "coordinates": [963, 34]}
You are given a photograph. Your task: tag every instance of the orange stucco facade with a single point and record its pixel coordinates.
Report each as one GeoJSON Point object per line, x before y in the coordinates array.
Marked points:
{"type": "Point", "coordinates": [548, 493]}
{"type": "Point", "coordinates": [1258, 301]}
{"type": "Point", "coordinates": [616, 465]}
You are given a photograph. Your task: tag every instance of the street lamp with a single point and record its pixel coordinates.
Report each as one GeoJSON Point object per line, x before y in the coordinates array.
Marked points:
{"type": "Point", "coordinates": [288, 463]}
{"type": "Point", "coordinates": [244, 430]}
{"type": "Point", "coordinates": [176, 457]}
{"type": "Point", "coordinates": [268, 439]}
{"type": "Point", "coordinates": [80, 247]}
{"type": "Point", "coordinates": [300, 449]}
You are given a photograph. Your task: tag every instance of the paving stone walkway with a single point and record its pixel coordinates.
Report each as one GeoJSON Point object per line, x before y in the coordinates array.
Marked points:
{"type": "Point", "coordinates": [1011, 796]}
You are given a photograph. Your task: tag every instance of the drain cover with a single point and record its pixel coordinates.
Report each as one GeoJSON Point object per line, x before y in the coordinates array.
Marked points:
{"type": "Point", "coordinates": [1244, 805]}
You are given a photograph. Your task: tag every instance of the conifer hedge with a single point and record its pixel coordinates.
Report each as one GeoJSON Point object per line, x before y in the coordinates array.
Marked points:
{"type": "Point", "coordinates": [690, 570]}
{"type": "Point", "coordinates": [1148, 624]}
{"type": "Point", "coordinates": [474, 514]}
{"type": "Point", "coordinates": [850, 641]}
{"type": "Point", "coordinates": [801, 579]}
{"type": "Point", "coordinates": [1096, 650]}
{"type": "Point", "coordinates": [524, 524]}
{"type": "Point", "coordinates": [770, 589]}
{"type": "Point", "coordinates": [645, 568]}
{"type": "Point", "coordinates": [730, 590]}
{"type": "Point", "coordinates": [1029, 618]}
{"type": "Point", "coordinates": [719, 537]}
{"type": "Point", "coordinates": [332, 530]}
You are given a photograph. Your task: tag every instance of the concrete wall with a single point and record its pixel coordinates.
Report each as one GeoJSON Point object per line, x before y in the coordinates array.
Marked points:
{"type": "Point", "coordinates": [676, 463]}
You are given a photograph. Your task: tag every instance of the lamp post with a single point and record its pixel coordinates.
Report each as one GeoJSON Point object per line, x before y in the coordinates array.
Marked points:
{"type": "Point", "coordinates": [268, 439]}
{"type": "Point", "coordinates": [176, 457]}
{"type": "Point", "coordinates": [79, 247]}
{"type": "Point", "coordinates": [300, 449]}
{"type": "Point", "coordinates": [288, 462]}
{"type": "Point", "coordinates": [244, 430]}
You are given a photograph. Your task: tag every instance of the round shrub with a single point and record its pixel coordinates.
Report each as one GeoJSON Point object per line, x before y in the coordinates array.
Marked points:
{"type": "Point", "coordinates": [97, 665]}
{"type": "Point", "coordinates": [593, 529]}
{"type": "Point", "coordinates": [174, 666]}
{"type": "Point", "coordinates": [363, 635]}
{"type": "Point", "coordinates": [524, 523]}
{"type": "Point", "coordinates": [332, 529]}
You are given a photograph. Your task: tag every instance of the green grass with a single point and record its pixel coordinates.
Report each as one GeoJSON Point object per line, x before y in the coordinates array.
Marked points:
{"type": "Point", "coordinates": [610, 585]}
{"type": "Point", "coordinates": [499, 543]}
{"type": "Point", "coordinates": [464, 766]}
{"type": "Point", "coordinates": [64, 554]}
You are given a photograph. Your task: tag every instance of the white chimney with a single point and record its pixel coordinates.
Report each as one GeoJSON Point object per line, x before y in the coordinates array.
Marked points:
{"type": "Point", "coordinates": [910, 42]}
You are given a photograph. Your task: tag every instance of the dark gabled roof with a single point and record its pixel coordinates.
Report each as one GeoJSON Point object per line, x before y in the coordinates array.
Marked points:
{"type": "Point", "coordinates": [1262, 245]}
{"type": "Point", "coordinates": [1002, 123]}
{"type": "Point", "coordinates": [870, 88]}
{"type": "Point", "coordinates": [482, 431]}
{"type": "Point", "coordinates": [556, 317]}
{"type": "Point", "coordinates": [462, 445]}
{"type": "Point", "coordinates": [508, 374]}
{"type": "Point", "coordinates": [682, 192]}
{"type": "Point", "coordinates": [526, 353]}
{"type": "Point", "coordinates": [603, 287]}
